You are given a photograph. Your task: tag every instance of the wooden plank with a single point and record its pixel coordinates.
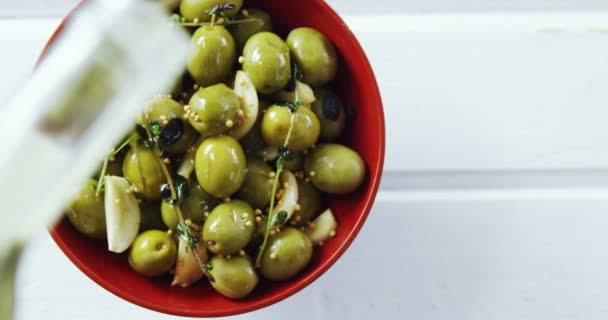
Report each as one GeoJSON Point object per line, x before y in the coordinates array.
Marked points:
{"type": "Point", "coordinates": [58, 8]}
{"type": "Point", "coordinates": [436, 260]}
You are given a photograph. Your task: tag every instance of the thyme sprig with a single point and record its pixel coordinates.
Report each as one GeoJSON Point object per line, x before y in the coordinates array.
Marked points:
{"type": "Point", "coordinates": [220, 8]}
{"type": "Point", "coordinates": [215, 11]}
{"type": "Point", "coordinates": [225, 23]}
{"type": "Point", "coordinates": [278, 219]}
{"type": "Point", "coordinates": [104, 168]}
{"type": "Point", "coordinates": [182, 228]}
{"type": "Point", "coordinates": [183, 233]}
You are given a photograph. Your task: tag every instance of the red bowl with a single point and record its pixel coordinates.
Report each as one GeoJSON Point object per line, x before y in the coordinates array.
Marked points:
{"type": "Point", "coordinates": [357, 86]}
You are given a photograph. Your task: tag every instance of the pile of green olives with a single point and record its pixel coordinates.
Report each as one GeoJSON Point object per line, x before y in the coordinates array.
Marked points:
{"type": "Point", "coordinates": [189, 168]}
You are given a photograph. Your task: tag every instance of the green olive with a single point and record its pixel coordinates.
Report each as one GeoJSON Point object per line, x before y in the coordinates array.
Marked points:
{"type": "Point", "coordinates": [87, 213]}
{"type": "Point", "coordinates": [169, 215]}
{"type": "Point", "coordinates": [215, 109]}
{"type": "Point", "coordinates": [335, 169]}
{"type": "Point", "coordinates": [163, 109]}
{"type": "Point", "coordinates": [194, 206]}
{"type": "Point", "coordinates": [257, 186]}
{"type": "Point", "coordinates": [331, 114]}
{"type": "Point", "coordinates": [143, 169]}
{"type": "Point", "coordinates": [286, 254]}
{"type": "Point", "coordinates": [235, 278]}
{"type": "Point", "coordinates": [243, 31]}
{"type": "Point", "coordinates": [315, 54]}
{"type": "Point", "coordinates": [199, 9]}
{"type": "Point", "coordinates": [213, 55]}
{"type": "Point", "coordinates": [220, 166]}
{"type": "Point", "coordinates": [309, 200]}
{"type": "Point", "coordinates": [229, 227]}
{"type": "Point", "coordinates": [153, 253]}
{"type": "Point", "coordinates": [151, 218]}
{"type": "Point", "coordinates": [275, 126]}
{"type": "Point", "coordinates": [294, 161]}
{"type": "Point", "coordinates": [267, 62]}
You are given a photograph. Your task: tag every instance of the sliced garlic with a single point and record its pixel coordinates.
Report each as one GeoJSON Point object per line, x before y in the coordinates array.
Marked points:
{"type": "Point", "coordinates": [187, 166]}
{"type": "Point", "coordinates": [244, 89]}
{"type": "Point", "coordinates": [123, 216]}
{"type": "Point", "coordinates": [187, 268]}
{"type": "Point", "coordinates": [289, 200]}
{"type": "Point", "coordinates": [305, 93]}
{"type": "Point", "coordinates": [324, 224]}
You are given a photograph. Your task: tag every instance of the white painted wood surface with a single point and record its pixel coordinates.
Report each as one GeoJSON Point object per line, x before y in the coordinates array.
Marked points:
{"type": "Point", "coordinates": [50, 8]}
{"type": "Point", "coordinates": [440, 259]}
{"type": "Point", "coordinates": [477, 219]}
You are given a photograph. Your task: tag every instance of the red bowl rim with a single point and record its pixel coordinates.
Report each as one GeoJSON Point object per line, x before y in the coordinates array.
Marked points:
{"type": "Point", "coordinates": [309, 278]}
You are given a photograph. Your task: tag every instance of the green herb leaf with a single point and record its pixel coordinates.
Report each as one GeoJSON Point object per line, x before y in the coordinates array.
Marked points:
{"type": "Point", "coordinates": [155, 128]}
{"type": "Point", "coordinates": [293, 106]}
{"type": "Point", "coordinates": [183, 233]}
{"type": "Point", "coordinates": [176, 18]}
{"type": "Point", "coordinates": [181, 188]}
{"type": "Point", "coordinates": [220, 8]}
{"type": "Point", "coordinates": [279, 219]}
{"type": "Point", "coordinates": [125, 143]}
{"type": "Point", "coordinates": [209, 266]}
{"type": "Point", "coordinates": [282, 155]}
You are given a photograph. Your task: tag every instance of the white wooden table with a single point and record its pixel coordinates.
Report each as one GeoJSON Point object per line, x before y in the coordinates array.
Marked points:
{"type": "Point", "coordinates": [495, 198]}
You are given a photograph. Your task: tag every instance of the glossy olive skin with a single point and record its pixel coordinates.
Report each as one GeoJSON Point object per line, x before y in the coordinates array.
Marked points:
{"type": "Point", "coordinates": [241, 32]}
{"type": "Point", "coordinates": [315, 54]}
{"type": "Point", "coordinates": [213, 55]}
{"type": "Point", "coordinates": [193, 207]}
{"type": "Point", "coordinates": [309, 199]}
{"type": "Point", "coordinates": [191, 9]}
{"type": "Point", "coordinates": [235, 278]}
{"type": "Point", "coordinates": [151, 218]}
{"type": "Point", "coordinates": [214, 106]}
{"type": "Point", "coordinates": [337, 169]}
{"type": "Point", "coordinates": [292, 251]}
{"type": "Point", "coordinates": [87, 213]}
{"type": "Point", "coordinates": [257, 186]}
{"type": "Point", "coordinates": [275, 125]}
{"type": "Point", "coordinates": [267, 62]}
{"type": "Point", "coordinates": [330, 111]}
{"type": "Point", "coordinates": [143, 169]}
{"type": "Point", "coordinates": [229, 227]}
{"type": "Point", "coordinates": [168, 108]}
{"type": "Point", "coordinates": [294, 161]}
{"type": "Point", "coordinates": [153, 253]}
{"type": "Point", "coordinates": [220, 165]}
